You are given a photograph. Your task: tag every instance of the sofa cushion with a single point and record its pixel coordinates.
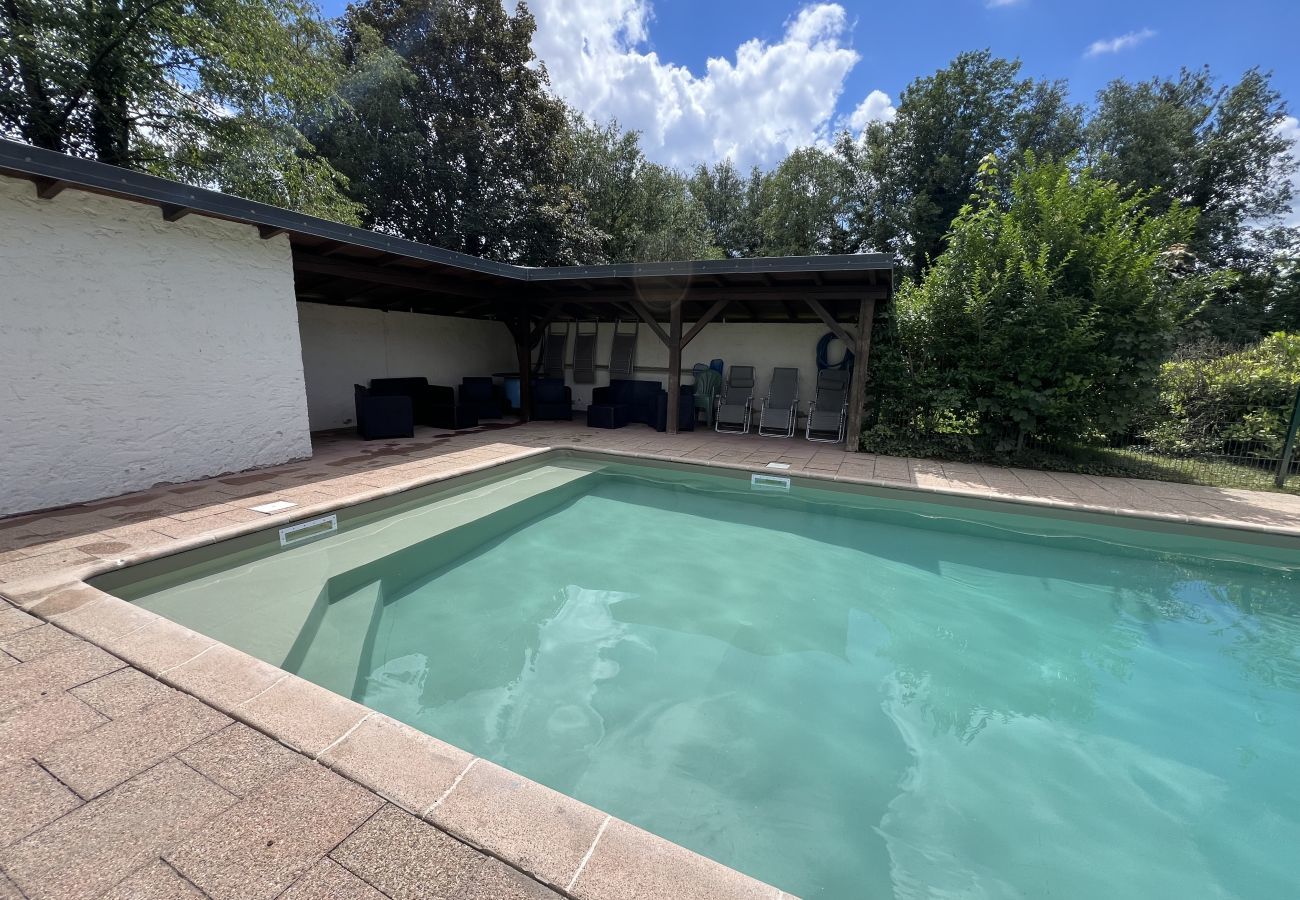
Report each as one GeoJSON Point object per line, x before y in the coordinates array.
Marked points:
{"type": "Point", "coordinates": [392, 387]}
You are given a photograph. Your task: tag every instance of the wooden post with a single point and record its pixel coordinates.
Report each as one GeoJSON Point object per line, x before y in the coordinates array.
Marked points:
{"type": "Point", "coordinates": [674, 363]}
{"type": "Point", "coordinates": [518, 324]}
{"type": "Point", "coordinates": [858, 386]}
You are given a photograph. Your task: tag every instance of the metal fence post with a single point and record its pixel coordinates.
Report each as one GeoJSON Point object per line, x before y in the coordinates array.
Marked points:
{"type": "Point", "coordinates": [1284, 464]}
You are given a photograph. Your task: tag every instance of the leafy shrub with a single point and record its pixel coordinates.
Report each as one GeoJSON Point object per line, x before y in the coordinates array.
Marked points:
{"type": "Point", "coordinates": [1238, 403]}
{"type": "Point", "coordinates": [1047, 316]}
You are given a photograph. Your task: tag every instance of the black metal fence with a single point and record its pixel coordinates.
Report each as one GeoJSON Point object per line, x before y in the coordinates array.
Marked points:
{"type": "Point", "coordinates": [1227, 445]}
{"type": "Point", "coordinates": [1251, 447]}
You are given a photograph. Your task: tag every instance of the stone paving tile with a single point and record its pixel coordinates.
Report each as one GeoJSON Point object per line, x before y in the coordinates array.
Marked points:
{"type": "Point", "coordinates": [224, 676]}
{"type": "Point", "coordinates": [28, 730]}
{"type": "Point", "coordinates": [159, 646]}
{"type": "Point", "coordinates": [57, 600]}
{"type": "Point", "coordinates": [30, 798]}
{"type": "Point", "coordinates": [327, 880]}
{"type": "Point", "coordinates": [240, 759]}
{"type": "Point", "coordinates": [494, 880]}
{"type": "Point", "coordinates": [104, 619]}
{"type": "Point", "coordinates": [303, 715]}
{"type": "Point", "coordinates": [98, 844]}
{"type": "Point", "coordinates": [263, 844]}
{"type": "Point", "coordinates": [43, 564]}
{"type": "Point", "coordinates": [14, 620]}
{"type": "Point", "coordinates": [6, 660]}
{"type": "Point", "coordinates": [630, 864]}
{"type": "Point", "coordinates": [102, 759]}
{"type": "Point", "coordinates": [542, 831]}
{"type": "Point", "coordinates": [406, 858]}
{"type": "Point", "coordinates": [404, 765]}
{"type": "Point", "coordinates": [33, 642]}
{"type": "Point", "coordinates": [122, 693]}
{"type": "Point", "coordinates": [50, 674]}
{"type": "Point", "coordinates": [156, 881]}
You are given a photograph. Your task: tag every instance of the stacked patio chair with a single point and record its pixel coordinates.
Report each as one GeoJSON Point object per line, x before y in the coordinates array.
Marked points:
{"type": "Point", "coordinates": [830, 407]}
{"type": "Point", "coordinates": [734, 403]}
{"type": "Point", "coordinates": [557, 341]}
{"type": "Point", "coordinates": [622, 352]}
{"type": "Point", "coordinates": [781, 406]}
{"type": "Point", "coordinates": [584, 353]}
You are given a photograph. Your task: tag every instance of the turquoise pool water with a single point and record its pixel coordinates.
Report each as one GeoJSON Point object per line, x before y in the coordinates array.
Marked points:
{"type": "Point", "coordinates": [845, 696]}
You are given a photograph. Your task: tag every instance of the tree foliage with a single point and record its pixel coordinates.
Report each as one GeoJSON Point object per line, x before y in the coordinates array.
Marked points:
{"type": "Point", "coordinates": [1048, 313]}
{"type": "Point", "coordinates": [450, 135]}
{"type": "Point", "coordinates": [204, 90]}
{"type": "Point", "coordinates": [946, 123]}
{"type": "Point", "coordinates": [642, 211]}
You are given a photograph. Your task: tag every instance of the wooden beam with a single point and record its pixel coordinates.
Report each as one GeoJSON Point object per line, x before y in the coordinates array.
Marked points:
{"type": "Point", "coordinates": [267, 231]}
{"type": "Point", "coordinates": [646, 316]}
{"type": "Point", "coordinates": [48, 188]}
{"type": "Point", "coordinates": [712, 313]}
{"type": "Point", "coordinates": [674, 364]}
{"type": "Point", "coordinates": [434, 284]}
{"type": "Point", "coordinates": [731, 293]}
{"type": "Point", "coordinates": [844, 334]}
{"type": "Point", "coordinates": [536, 332]}
{"type": "Point", "coordinates": [173, 213]}
{"type": "Point", "coordinates": [858, 384]}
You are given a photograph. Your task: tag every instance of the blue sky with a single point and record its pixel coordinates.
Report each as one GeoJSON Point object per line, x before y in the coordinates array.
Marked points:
{"type": "Point", "coordinates": [752, 79]}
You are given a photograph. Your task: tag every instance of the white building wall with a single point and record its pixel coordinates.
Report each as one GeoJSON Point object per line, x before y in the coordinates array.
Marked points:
{"type": "Point", "coordinates": [135, 351]}
{"type": "Point", "coordinates": [342, 346]}
{"type": "Point", "coordinates": [764, 346]}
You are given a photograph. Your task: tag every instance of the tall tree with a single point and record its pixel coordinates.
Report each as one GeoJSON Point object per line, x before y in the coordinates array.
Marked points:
{"type": "Point", "coordinates": [201, 89]}
{"type": "Point", "coordinates": [450, 135]}
{"type": "Point", "coordinates": [730, 203]}
{"type": "Point", "coordinates": [946, 124]}
{"type": "Point", "coordinates": [1214, 146]}
{"type": "Point", "coordinates": [804, 205]}
{"type": "Point", "coordinates": [1219, 148]}
{"type": "Point", "coordinates": [643, 211]}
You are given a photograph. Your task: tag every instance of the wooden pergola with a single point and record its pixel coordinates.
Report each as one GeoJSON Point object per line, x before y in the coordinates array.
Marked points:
{"type": "Point", "coordinates": [347, 266]}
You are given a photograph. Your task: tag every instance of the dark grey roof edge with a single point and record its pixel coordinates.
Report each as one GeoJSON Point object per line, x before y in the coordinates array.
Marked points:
{"type": "Point", "coordinates": [24, 160]}
{"type": "Point", "coordinates": [855, 262]}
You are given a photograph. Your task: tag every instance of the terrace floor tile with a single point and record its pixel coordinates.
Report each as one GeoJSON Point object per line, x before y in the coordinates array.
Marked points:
{"type": "Point", "coordinates": [99, 760]}
{"type": "Point", "coordinates": [406, 858]}
{"type": "Point", "coordinates": [260, 846]}
{"type": "Point", "coordinates": [97, 845]}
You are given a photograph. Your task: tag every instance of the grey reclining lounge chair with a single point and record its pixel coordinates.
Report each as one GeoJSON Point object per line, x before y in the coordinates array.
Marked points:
{"type": "Point", "coordinates": [830, 407]}
{"type": "Point", "coordinates": [734, 402]}
{"type": "Point", "coordinates": [781, 406]}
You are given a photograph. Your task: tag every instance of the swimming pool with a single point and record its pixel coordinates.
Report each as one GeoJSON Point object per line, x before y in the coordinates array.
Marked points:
{"type": "Point", "coordinates": [845, 693]}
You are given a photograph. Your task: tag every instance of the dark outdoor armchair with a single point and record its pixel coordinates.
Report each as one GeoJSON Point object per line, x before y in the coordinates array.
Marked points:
{"type": "Point", "coordinates": [552, 399]}
{"type": "Point", "coordinates": [382, 416]}
{"type": "Point", "coordinates": [483, 396]}
{"type": "Point", "coordinates": [431, 404]}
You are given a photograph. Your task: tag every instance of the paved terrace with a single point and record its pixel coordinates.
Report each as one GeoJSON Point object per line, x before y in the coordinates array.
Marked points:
{"type": "Point", "coordinates": [135, 760]}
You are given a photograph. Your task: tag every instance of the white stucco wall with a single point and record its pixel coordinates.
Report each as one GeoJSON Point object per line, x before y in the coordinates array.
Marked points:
{"type": "Point", "coordinates": [342, 346]}
{"type": "Point", "coordinates": [764, 346]}
{"type": "Point", "coordinates": [135, 351]}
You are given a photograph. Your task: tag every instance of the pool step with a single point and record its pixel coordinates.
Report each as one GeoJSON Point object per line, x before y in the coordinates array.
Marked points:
{"type": "Point", "coordinates": [334, 644]}
{"type": "Point", "coordinates": [268, 606]}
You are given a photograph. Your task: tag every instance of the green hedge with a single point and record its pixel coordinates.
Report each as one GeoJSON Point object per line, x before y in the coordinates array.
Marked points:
{"type": "Point", "coordinates": [1235, 403]}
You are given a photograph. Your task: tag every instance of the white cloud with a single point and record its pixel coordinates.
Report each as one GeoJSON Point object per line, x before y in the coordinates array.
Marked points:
{"type": "Point", "coordinates": [877, 107]}
{"type": "Point", "coordinates": [754, 107]}
{"type": "Point", "coordinates": [1116, 44]}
